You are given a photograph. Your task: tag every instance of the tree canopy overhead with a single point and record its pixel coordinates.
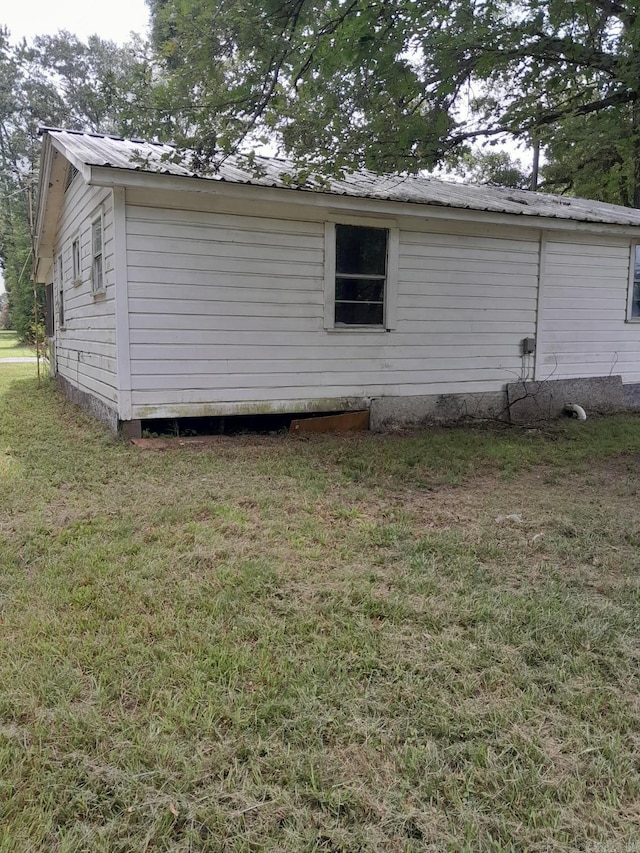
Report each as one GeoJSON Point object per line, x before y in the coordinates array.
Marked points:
{"type": "Point", "coordinates": [404, 84]}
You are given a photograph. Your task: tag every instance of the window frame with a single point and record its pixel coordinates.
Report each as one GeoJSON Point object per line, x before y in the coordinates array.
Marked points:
{"type": "Point", "coordinates": [76, 260]}
{"type": "Point", "coordinates": [635, 247]}
{"type": "Point", "coordinates": [97, 291]}
{"type": "Point", "coordinates": [390, 297]}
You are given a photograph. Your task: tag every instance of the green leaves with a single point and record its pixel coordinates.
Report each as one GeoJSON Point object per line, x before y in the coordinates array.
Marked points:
{"type": "Point", "coordinates": [394, 84]}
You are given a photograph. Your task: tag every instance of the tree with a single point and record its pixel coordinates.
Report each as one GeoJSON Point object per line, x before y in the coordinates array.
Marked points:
{"type": "Point", "coordinates": [63, 82]}
{"type": "Point", "coordinates": [404, 84]}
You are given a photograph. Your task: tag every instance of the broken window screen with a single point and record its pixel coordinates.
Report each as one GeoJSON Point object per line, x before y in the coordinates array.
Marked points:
{"type": "Point", "coordinates": [635, 296]}
{"type": "Point", "coordinates": [361, 274]}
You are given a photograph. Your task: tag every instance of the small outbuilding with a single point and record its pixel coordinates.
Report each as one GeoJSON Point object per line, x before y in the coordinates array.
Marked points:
{"type": "Point", "coordinates": [238, 292]}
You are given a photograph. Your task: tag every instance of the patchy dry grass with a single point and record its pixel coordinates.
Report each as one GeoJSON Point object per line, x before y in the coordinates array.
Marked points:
{"type": "Point", "coordinates": [326, 645]}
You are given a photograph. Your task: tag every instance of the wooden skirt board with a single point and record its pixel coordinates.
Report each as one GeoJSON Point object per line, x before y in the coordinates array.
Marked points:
{"type": "Point", "coordinates": [347, 422]}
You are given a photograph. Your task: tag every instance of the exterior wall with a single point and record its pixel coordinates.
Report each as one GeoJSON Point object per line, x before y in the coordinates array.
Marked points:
{"type": "Point", "coordinates": [583, 307]}
{"type": "Point", "coordinates": [226, 311]}
{"type": "Point", "coordinates": [85, 347]}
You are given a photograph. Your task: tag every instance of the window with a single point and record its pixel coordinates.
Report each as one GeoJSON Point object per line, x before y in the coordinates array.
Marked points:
{"type": "Point", "coordinates": [75, 254]}
{"type": "Point", "coordinates": [48, 310]}
{"type": "Point", "coordinates": [634, 296]}
{"type": "Point", "coordinates": [361, 269]}
{"type": "Point", "coordinates": [361, 274]}
{"type": "Point", "coordinates": [61, 308]}
{"type": "Point", "coordinates": [97, 272]}
{"type": "Point", "coordinates": [60, 279]}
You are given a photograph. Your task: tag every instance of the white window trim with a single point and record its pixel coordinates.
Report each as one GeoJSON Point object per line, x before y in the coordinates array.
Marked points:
{"type": "Point", "coordinates": [98, 291]}
{"type": "Point", "coordinates": [76, 273]}
{"type": "Point", "coordinates": [634, 245]}
{"type": "Point", "coordinates": [391, 284]}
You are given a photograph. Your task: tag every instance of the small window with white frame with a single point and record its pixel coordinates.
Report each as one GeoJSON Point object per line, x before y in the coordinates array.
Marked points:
{"type": "Point", "coordinates": [633, 312]}
{"type": "Point", "coordinates": [75, 257]}
{"type": "Point", "coordinates": [97, 262]}
{"type": "Point", "coordinates": [361, 271]}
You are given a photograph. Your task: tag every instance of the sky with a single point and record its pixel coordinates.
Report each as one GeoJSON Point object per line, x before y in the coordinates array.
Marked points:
{"type": "Point", "coordinates": [113, 20]}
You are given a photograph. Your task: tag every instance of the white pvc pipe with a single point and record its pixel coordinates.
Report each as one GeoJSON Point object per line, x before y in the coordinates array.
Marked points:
{"type": "Point", "coordinates": [577, 410]}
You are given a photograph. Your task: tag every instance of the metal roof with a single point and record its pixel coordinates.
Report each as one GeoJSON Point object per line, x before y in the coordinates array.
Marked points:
{"type": "Point", "coordinates": [107, 151]}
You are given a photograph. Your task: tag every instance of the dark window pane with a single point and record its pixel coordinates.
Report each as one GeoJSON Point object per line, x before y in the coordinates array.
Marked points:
{"type": "Point", "coordinates": [635, 302]}
{"type": "Point", "coordinates": [636, 266]}
{"type": "Point", "coordinates": [361, 251]}
{"type": "Point", "coordinates": [362, 289]}
{"type": "Point", "coordinates": [359, 313]}
{"type": "Point", "coordinates": [48, 316]}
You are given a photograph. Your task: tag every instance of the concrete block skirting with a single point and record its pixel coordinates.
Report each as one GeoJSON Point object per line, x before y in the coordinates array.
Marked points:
{"type": "Point", "coordinates": [542, 401]}
{"type": "Point", "coordinates": [89, 403]}
{"type": "Point", "coordinates": [389, 412]}
{"type": "Point", "coordinates": [632, 395]}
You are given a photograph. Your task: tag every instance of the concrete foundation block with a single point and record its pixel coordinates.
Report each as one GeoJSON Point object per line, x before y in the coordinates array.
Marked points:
{"type": "Point", "coordinates": [131, 429]}
{"type": "Point", "coordinates": [390, 412]}
{"type": "Point", "coordinates": [632, 395]}
{"type": "Point", "coordinates": [530, 402]}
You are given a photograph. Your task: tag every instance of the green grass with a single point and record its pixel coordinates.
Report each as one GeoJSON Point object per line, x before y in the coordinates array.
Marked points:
{"type": "Point", "coordinates": [9, 347]}
{"type": "Point", "coordinates": [324, 645]}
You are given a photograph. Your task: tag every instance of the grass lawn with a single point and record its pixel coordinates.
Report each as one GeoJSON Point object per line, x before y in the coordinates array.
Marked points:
{"type": "Point", "coordinates": [328, 645]}
{"type": "Point", "coordinates": [9, 347]}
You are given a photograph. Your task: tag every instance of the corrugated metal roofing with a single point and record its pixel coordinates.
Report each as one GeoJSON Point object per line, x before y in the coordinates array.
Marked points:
{"type": "Point", "coordinates": [95, 150]}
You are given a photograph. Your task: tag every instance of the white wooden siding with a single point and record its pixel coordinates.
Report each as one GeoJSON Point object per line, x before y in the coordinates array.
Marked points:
{"type": "Point", "coordinates": [85, 347]}
{"type": "Point", "coordinates": [583, 328]}
{"type": "Point", "coordinates": [228, 308]}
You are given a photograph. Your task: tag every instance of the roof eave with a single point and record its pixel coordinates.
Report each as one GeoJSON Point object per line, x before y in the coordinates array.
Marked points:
{"type": "Point", "coordinates": [79, 163]}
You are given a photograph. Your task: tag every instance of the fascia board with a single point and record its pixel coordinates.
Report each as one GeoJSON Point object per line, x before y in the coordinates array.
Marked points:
{"type": "Point", "coordinates": [79, 164]}
{"type": "Point", "coordinates": [43, 188]}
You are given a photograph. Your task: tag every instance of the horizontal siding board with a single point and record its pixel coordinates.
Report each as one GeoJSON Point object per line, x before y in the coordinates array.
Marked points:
{"type": "Point", "coordinates": [483, 257]}
{"type": "Point", "coordinates": [199, 325]}
{"type": "Point", "coordinates": [203, 239]}
{"type": "Point", "coordinates": [468, 242]}
{"type": "Point", "coordinates": [144, 246]}
{"type": "Point", "coordinates": [191, 308]}
{"type": "Point", "coordinates": [336, 341]}
{"type": "Point", "coordinates": [217, 382]}
{"type": "Point", "coordinates": [147, 354]}
{"type": "Point", "coordinates": [329, 366]}
{"type": "Point", "coordinates": [159, 217]}
{"type": "Point", "coordinates": [433, 305]}
{"type": "Point", "coordinates": [463, 264]}
{"type": "Point", "coordinates": [488, 288]}
{"type": "Point", "coordinates": [256, 266]}
{"type": "Point", "coordinates": [229, 293]}
{"type": "Point", "coordinates": [202, 278]}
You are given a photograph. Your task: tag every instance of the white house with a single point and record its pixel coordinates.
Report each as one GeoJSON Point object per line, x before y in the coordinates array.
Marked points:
{"type": "Point", "coordinates": [236, 292]}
